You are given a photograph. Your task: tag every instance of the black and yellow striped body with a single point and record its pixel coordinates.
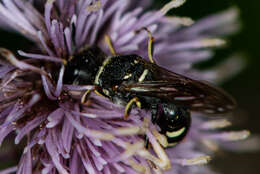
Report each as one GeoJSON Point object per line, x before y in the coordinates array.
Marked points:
{"type": "Point", "coordinates": [111, 74]}
{"type": "Point", "coordinates": [130, 80]}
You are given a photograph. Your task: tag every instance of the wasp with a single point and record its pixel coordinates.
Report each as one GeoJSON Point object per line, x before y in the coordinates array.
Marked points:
{"type": "Point", "coordinates": [130, 80]}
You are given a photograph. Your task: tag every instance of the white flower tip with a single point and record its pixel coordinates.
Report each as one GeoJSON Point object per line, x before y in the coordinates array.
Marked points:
{"type": "Point", "coordinates": [80, 135]}
{"type": "Point", "coordinates": [66, 156]}
{"type": "Point", "coordinates": [137, 167]}
{"type": "Point", "coordinates": [128, 131]}
{"type": "Point", "coordinates": [131, 149]}
{"type": "Point", "coordinates": [214, 42]}
{"type": "Point", "coordinates": [233, 12]}
{"type": "Point", "coordinates": [235, 136]}
{"type": "Point", "coordinates": [212, 145]}
{"type": "Point", "coordinates": [20, 52]}
{"type": "Point", "coordinates": [35, 98]}
{"type": "Point", "coordinates": [41, 141]}
{"type": "Point", "coordinates": [45, 171]}
{"type": "Point", "coordinates": [50, 125]}
{"type": "Point", "coordinates": [54, 22]}
{"type": "Point", "coordinates": [73, 19]}
{"type": "Point", "coordinates": [160, 138]}
{"type": "Point", "coordinates": [229, 68]}
{"type": "Point", "coordinates": [186, 21]}
{"type": "Point", "coordinates": [50, 1]}
{"type": "Point", "coordinates": [216, 124]}
{"type": "Point", "coordinates": [49, 118]}
{"type": "Point", "coordinates": [8, 55]}
{"type": "Point", "coordinates": [67, 30]}
{"type": "Point", "coordinates": [90, 115]}
{"type": "Point", "coordinates": [25, 150]}
{"type": "Point", "coordinates": [172, 4]}
{"type": "Point", "coordinates": [16, 140]}
{"type": "Point", "coordinates": [39, 32]}
{"type": "Point", "coordinates": [196, 161]}
{"type": "Point", "coordinates": [102, 135]}
{"type": "Point", "coordinates": [162, 160]}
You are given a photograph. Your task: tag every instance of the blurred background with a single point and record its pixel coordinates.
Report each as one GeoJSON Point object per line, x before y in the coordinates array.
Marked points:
{"type": "Point", "coordinates": [245, 87]}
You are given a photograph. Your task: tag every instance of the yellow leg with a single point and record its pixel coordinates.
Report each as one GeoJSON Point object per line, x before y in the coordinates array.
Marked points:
{"type": "Point", "coordinates": [129, 105]}
{"type": "Point", "coordinates": [98, 93]}
{"type": "Point", "coordinates": [150, 43]}
{"type": "Point", "coordinates": [85, 96]}
{"type": "Point", "coordinates": [87, 93]}
{"type": "Point", "coordinates": [110, 45]}
{"type": "Point", "coordinates": [65, 62]}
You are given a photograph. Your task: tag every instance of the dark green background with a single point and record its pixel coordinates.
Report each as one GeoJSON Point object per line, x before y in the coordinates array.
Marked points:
{"type": "Point", "coordinates": [245, 87]}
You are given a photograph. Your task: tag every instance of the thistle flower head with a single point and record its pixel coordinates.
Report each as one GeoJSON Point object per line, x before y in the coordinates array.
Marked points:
{"type": "Point", "coordinates": [65, 136]}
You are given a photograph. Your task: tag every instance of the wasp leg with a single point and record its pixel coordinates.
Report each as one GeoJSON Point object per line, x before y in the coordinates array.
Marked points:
{"type": "Point", "coordinates": [98, 93]}
{"type": "Point", "coordinates": [150, 43]}
{"type": "Point", "coordinates": [128, 107]}
{"type": "Point", "coordinates": [154, 112]}
{"type": "Point", "coordinates": [110, 45]}
{"type": "Point", "coordinates": [147, 142]}
{"type": "Point", "coordinates": [87, 93]}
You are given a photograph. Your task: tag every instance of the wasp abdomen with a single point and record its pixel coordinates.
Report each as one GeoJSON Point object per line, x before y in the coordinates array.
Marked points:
{"type": "Point", "coordinates": [174, 121]}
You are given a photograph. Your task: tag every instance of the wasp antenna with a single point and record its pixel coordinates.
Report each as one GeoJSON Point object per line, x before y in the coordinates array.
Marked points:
{"type": "Point", "coordinates": [150, 43]}
{"type": "Point", "coordinates": [110, 44]}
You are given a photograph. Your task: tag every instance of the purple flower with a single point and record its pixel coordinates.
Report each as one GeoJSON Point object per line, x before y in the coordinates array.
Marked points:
{"type": "Point", "coordinates": [64, 136]}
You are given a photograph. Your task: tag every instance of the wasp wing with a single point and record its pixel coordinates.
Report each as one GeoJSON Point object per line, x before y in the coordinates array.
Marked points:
{"type": "Point", "coordinates": [169, 86]}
